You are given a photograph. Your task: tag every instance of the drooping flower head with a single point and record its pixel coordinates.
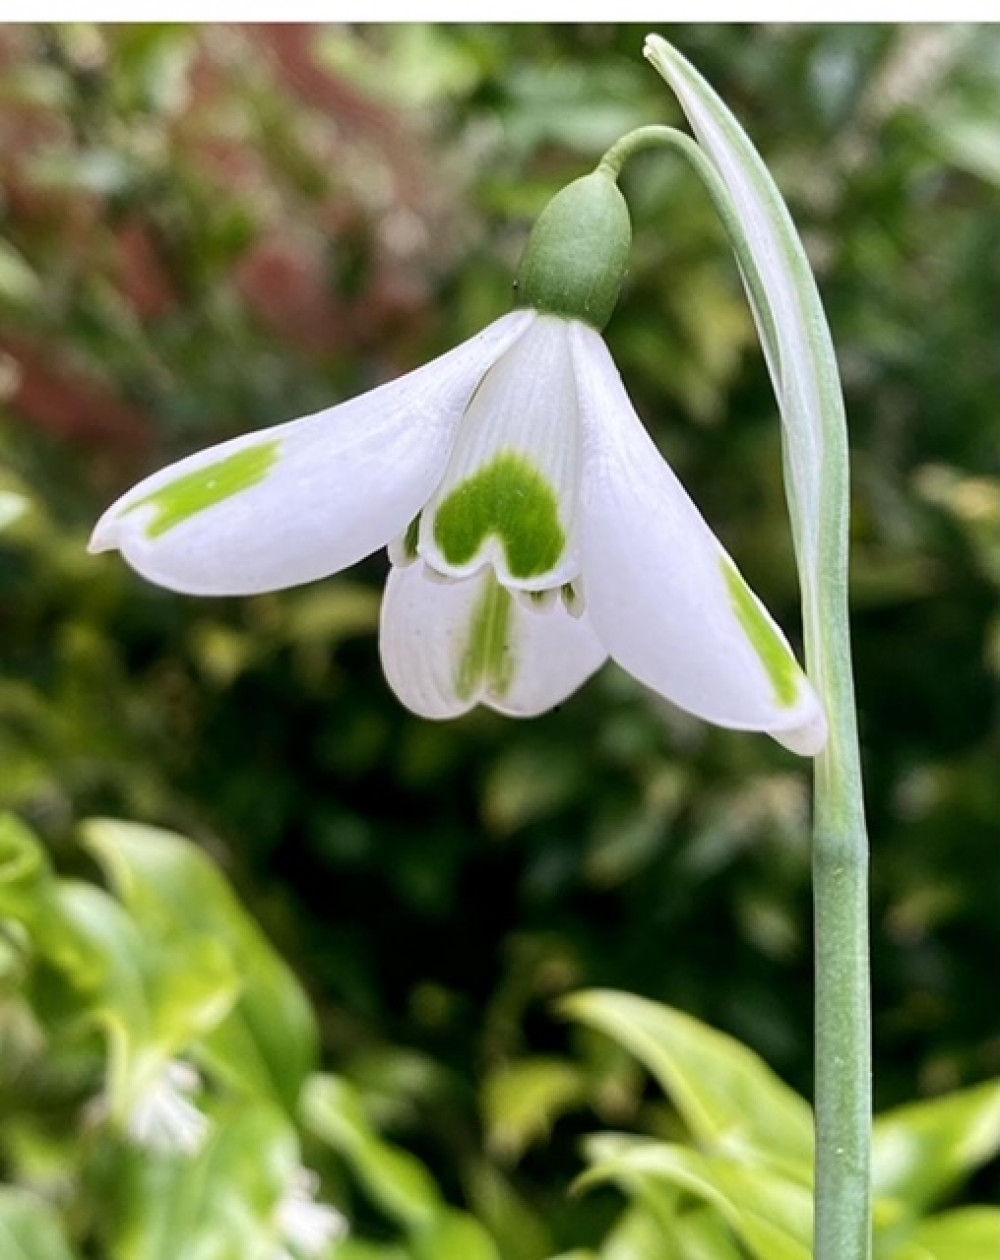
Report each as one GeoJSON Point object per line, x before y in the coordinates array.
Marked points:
{"type": "Point", "coordinates": [533, 527]}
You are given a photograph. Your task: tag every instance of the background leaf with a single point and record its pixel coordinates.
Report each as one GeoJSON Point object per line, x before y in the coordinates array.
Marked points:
{"type": "Point", "coordinates": [769, 1214]}
{"type": "Point", "coordinates": [922, 1150]}
{"type": "Point", "coordinates": [729, 1099]}
{"type": "Point", "coordinates": [30, 1228]}
{"type": "Point", "coordinates": [269, 1037]}
{"type": "Point", "coordinates": [962, 1234]}
{"type": "Point", "coordinates": [217, 1206]}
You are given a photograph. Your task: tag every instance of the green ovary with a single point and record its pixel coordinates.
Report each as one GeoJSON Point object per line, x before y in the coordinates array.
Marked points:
{"type": "Point", "coordinates": [781, 666]}
{"type": "Point", "coordinates": [488, 657]}
{"type": "Point", "coordinates": [196, 491]}
{"type": "Point", "coordinates": [510, 500]}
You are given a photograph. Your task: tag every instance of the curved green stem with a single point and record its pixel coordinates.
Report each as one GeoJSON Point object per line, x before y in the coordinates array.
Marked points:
{"type": "Point", "coordinates": [655, 137]}
{"type": "Point", "coordinates": [816, 480]}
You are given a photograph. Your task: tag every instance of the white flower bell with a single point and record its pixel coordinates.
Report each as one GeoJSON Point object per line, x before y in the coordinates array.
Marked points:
{"type": "Point", "coordinates": [533, 526]}
{"type": "Point", "coordinates": [165, 1118]}
{"type": "Point", "coordinates": [306, 1228]}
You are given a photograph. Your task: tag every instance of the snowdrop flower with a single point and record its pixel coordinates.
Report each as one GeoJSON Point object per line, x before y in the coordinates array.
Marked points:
{"type": "Point", "coordinates": [306, 1228]}
{"type": "Point", "coordinates": [533, 527]}
{"type": "Point", "coordinates": [164, 1118]}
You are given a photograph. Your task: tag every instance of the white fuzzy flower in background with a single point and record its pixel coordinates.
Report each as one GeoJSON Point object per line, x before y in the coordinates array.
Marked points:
{"type": "Point", "coordinates": [164, 1118]}
{"type": "Point", "coordinates": [306, 1228]}
{"type": "Point", "coordinates": [533, 526]}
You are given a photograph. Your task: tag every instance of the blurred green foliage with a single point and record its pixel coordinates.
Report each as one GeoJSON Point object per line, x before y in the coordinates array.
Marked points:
{"type": "Point", "coordinates": [160, 1093]}
{"type": "Point", "coordinates": [744, 1160]}
{"type": "Point", "coordinates": [209, 229]}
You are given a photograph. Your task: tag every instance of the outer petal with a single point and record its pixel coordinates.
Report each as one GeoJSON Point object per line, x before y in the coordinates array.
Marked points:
{"type": "Point", "coordinates": [508, 496]}
{"type": "Point", "coordinates": [663, 595]}
{"type": "Point", "coordinates": [450, 644]}
{"type": "Point", "coordinates": [304, 499]}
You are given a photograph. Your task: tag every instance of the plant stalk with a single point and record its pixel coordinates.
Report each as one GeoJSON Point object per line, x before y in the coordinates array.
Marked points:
{"type": "Point", "coordinates": [842, 1193]}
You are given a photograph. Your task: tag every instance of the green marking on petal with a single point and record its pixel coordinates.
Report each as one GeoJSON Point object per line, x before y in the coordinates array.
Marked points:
{"type": "Point", "coordinates": [488, 658]}
{"type": "Point", "coordinates": [572, 597]}
{"type": "Point", "coordinates": [196, 491]}
{"type": "Point", "coordinates": [510, 500]}
{"type": "Point", "coordinates": [411, 537]}
{"type": "Point", "coordinates": [782, 667]}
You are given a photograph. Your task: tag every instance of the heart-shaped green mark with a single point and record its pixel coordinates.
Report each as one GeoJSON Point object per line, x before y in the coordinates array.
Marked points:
{"type": "Point", "coordinates": [510, 500]}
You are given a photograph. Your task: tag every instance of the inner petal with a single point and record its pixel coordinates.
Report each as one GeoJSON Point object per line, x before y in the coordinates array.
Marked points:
{"type": "Point", "coordinates": [448, 645]}
{"type": "Point", "coordinates": [509, 493]}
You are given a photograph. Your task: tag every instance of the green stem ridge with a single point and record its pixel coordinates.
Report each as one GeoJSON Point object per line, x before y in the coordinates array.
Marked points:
{"type": "Point", "coordinates": [798, 349]}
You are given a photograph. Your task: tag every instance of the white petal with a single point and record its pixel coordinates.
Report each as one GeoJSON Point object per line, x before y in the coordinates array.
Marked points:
{"type": "Point", "coordinates": [509, 494]}
{"type": "Point", "coordinates": [556, 653]}
{"type": "Point", "coordinates": [165, 1118]}
{"type": "Point", "coordinates": [445, 647]}
{"type": "Point", "coordinates": [663, 595]}
{"type": "Point", "coordinates": [306, 1225]}
{"type": "Point", "coordinates": [304, 499]}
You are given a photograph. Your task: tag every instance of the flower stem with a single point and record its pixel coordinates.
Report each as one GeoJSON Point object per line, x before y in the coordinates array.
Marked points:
{"type": "Point", "coordinates": [840, 847]}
